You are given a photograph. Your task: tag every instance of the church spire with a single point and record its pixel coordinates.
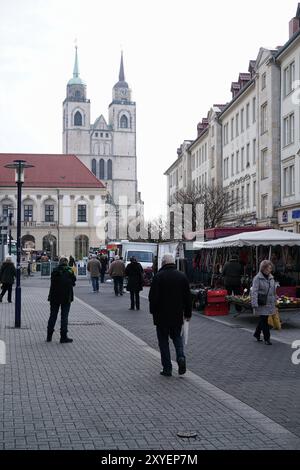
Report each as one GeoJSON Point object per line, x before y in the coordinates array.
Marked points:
{"type": "Point", "coordinates": [76, 80]}
{"type": "Point", "coordinates": [76, 67]}
{"type": "Point", "coordinates": [121, 73]}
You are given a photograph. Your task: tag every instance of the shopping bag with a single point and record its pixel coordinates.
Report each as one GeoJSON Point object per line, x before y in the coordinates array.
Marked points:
{"type": "Point", "coordinates": [274, 320]}
{"type": "Point", "coordinates": [185, 332]}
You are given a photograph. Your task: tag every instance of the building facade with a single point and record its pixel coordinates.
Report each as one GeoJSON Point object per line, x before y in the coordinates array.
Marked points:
{"type": "Point", "coordinates": [63, 204]}
{"type": "Point", "coordinates": [107, 148]}
{"type": "Point", "coordinates": [288, 58]}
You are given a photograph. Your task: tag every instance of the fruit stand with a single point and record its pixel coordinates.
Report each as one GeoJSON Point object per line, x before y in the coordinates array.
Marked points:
{"type": "Point", "coordinates": [283, 302]}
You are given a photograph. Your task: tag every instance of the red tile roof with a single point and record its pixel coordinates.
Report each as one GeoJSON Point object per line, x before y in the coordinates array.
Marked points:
{"type": "Point", "coordinates": [50, 171]}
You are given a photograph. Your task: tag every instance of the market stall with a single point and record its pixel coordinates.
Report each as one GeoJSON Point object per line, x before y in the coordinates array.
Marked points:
{"type": "Point", "coordinates": [282, 248]}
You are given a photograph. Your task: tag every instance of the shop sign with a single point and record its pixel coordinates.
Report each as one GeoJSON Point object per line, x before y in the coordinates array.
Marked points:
{"type": "Point", "coordinates": [296, 214]}
{"type": "Point", "coordinates": [285, 216]}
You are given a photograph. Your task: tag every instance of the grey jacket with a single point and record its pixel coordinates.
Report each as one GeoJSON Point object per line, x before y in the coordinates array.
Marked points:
{"type": "Point", "coordinates": [264, 286]}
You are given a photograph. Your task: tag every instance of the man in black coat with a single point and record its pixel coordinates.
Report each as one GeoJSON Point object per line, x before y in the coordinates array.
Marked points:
{"type": "Point", "coordinates": [232, 272]}
{"type": "Point", "coordinates": [7, 277]}
{"type": "Point", "coordinates": [60, 296]}
{"type": "Point", "coordinates": [170, 303]}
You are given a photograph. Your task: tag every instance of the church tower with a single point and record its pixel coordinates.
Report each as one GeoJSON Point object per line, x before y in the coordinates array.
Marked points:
{"type": "Point", "coordinates": [122, 120]}
{"type": "Point", "coordinates": [76, 115]}
{"type": "Point", "coordinates": [107, 148]}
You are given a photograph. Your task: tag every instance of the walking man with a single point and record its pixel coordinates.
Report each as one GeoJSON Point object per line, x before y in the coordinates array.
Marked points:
{"type": "Point", "coordinates": [60, 296]}
{"type": "Point", "coordinates": [117, 272]}
{"type": "Point", "coordinates": [7, 277]}
{"type": "Point", "coordinates": [94, 268]}
{"type": "Point", "coordinates": [170, 303]}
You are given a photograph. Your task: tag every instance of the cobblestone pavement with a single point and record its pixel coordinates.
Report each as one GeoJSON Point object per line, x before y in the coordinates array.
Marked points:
{"type": "Point", "coordinates": [104, 391]}
{"type": "Point", "coordinates": [223, 354]}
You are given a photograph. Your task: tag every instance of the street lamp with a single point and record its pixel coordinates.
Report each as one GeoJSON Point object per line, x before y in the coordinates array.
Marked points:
{"type": "Point", "coordinates": [18, 166]}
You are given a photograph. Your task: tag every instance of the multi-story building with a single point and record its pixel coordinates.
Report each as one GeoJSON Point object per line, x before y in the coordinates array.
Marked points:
{"type": "Point", "coordinates": [288, 57]}
{"type": "Point", "coordinates": [268, 137]}
{"type": "Point", "coordinates": [179, 173]}
{"type": "Point", "coordinates": [239, 149]}
{"type": "Point", "coordinates": [63, 204]}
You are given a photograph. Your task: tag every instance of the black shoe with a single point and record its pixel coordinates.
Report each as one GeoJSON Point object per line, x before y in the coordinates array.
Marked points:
{"type": "Point", "coordinates": [49, 337]}
{"type": "Point", "coordinates": [65, 339]}
{"type": "Point", "coordinates": [131, 308]}
{"type": "Point", "coordinates": [137, 308]}
{"type": "Point", "coordinates": [0, 298]}
{"type": "Point", "coordinates": [257, 337]}
{"type": "Point", "coordinates": [181, 366]}
{"type": "Point", "coordinates": [10, 301]}
{"type": "Point", "coordinates": [166, 373]}
{"type": "Point", "coordinates": [268, 343]}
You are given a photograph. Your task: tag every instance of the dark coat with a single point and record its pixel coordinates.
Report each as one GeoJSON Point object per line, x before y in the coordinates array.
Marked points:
{"type": "Point", "coordinates": [232, 273]}
{"type": "Point", "coordinates": [61, 289]}
{"type": "Point", "coordinates": [170, 297]}
{"type": "Point", "coordinates": [135, 274]}
{"type": "Point", "coordinates": [8, 272]}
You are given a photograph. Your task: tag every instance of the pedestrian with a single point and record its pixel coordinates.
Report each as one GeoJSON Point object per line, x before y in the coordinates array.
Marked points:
{"type": "Point", "coordinates": [94, 268]}
{"type": "Point", "coordinates": [263, 299]}
{"type": "Point", "coordinates": [7, 277]}
{"type": "Point", "coordinates": [232, 272]}
{"type": "Point", "coordinates": [104, 263]}
{"type": "Point", "coordinates": [71, 261]}
{"type": "Point", "coordinates": [29, 268]}
{"type": "Point", "coordinates": [170, 304]}
{"type": "Point", "coordinates": [60, 296]}
{"type": "Point", "coordinates": [117, 272]}
{"type": "Point", "coordinates": [134, 272]}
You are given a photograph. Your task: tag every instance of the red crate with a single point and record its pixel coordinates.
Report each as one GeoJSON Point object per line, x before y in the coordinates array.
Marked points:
{"type": "Point", "coordinates": [216, 296]}
{"type": "Point", "coordinates": [216, 309]}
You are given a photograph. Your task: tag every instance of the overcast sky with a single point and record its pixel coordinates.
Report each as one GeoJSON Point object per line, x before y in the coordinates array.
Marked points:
{"type": "Point", "coordinates": [180, 58]}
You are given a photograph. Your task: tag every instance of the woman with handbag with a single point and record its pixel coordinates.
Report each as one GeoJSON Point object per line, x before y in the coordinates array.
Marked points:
{"type": "Point", "coordinates": [263, 299]}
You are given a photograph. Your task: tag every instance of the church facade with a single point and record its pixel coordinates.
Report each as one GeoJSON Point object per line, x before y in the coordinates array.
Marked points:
{"type": "Point", "coordinates": [107, 148]}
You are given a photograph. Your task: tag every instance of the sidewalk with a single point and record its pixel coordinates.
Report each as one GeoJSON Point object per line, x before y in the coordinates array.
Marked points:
{"type": "Point", "coordinates": [104, 391]}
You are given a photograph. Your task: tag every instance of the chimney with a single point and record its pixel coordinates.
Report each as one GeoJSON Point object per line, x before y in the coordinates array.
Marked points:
{"type": "Point", "coordinates": [294, 26]}
{"type": "Point", "coordinates": [235, 88]}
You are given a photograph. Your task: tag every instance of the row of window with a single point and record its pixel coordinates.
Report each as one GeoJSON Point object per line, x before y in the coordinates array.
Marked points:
{"type": "Point", "coordinates": [240, 122]}
{"type": "Point", "coordinates": [240, 161]}
{"type": "Point", "coordinates": [105, 169]}
{"type": "Point", "coordinates": [199, 157]}
{"type": "Point", "coordinates": [48, 212]}
{"type": "Point", "coordinates": [200, 181]}
{"type": "Point", "coordinates": [242, 196]}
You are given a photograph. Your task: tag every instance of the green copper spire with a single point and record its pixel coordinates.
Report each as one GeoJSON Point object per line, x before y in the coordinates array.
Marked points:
{"type": "Point", "coordinates": [121, 72]}
{"type": "Point", "coordinates": [76, 80]}
{"type": "Point", "coordinates": [76, 68]}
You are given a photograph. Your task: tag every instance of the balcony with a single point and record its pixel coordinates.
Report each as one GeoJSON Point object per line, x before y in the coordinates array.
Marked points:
{"type": "Point", "coordinates": [33, 223]}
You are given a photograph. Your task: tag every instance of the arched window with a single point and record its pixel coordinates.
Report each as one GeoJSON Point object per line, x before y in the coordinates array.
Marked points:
{"type": "Point", "coordinates": [101, 169]}
{"type": "Point", "coordinates": [124, 122]}
{"type": "Point", "coordinates": [94, 170]}
{"type": "Point", "coordinates": [77, 94]}
{"type": "Point", "coordinates": [109, 170]}
{"type": "Point", "coordinates": [78, 119]}
{"type": "Point", "coordinates": [81, 246]}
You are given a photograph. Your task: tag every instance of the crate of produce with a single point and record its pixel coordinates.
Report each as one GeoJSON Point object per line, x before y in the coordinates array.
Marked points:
{"type": "Point", "coordinates": [216, 296]}
{"type": "Point", "coordinates": [214, 310]}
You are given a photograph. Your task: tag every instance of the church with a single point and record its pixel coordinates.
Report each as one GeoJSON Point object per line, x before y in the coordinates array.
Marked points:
{"type": "Point", "coordinates": [107, 148]}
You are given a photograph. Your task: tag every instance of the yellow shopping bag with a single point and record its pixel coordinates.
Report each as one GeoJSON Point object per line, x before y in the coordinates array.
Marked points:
{"type": "Point", "coordinates": [274, 320]}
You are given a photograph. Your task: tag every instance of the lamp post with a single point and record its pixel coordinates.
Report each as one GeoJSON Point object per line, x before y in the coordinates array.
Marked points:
{"type": "Point", "coordinates": [9, 232]}
{"type": "Point", "coordinates": [18, 166]}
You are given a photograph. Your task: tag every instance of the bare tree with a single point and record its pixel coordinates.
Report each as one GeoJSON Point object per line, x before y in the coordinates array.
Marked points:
{"type": "Point", "coordinates": [216, 202]}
